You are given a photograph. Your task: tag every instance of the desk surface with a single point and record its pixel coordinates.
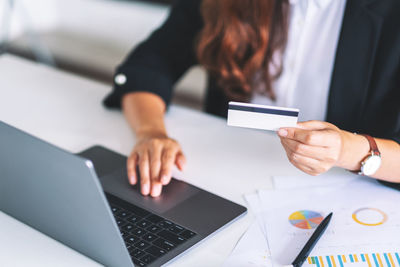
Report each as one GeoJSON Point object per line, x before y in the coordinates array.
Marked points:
{"type": "Point", "coordinates": [66, 111]}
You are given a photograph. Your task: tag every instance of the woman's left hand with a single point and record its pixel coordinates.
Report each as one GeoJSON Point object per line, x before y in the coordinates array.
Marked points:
{"type": "Point", "coordinates": [314, 146]}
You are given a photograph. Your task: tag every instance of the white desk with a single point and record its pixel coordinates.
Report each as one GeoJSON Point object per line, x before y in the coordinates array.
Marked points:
{"type": "Point", "coordinates": [66, 110]}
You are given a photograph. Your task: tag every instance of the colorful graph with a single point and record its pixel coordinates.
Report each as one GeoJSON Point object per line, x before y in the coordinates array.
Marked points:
{"type": "Point", "coordinates": [369, 216]}
{"type": "Point", "coordinates": [370, 260]}
{"type": "Point", "coordinates": [305, 219]}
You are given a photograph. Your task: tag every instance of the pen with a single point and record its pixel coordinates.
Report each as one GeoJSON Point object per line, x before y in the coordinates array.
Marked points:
{"type": "Point", "coordinates": [298, 262]}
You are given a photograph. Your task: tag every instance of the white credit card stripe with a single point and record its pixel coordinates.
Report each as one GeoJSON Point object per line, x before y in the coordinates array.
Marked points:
{"type": "Point", "coordinates": [265, 110]}
{"type": "Point", "coordinates": [262, 121]}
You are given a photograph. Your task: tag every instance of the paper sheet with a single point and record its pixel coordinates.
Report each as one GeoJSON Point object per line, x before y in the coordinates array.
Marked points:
{"type": "Point", "coordinates": [366, 221]}
{"type": "Point", "coordinates": [254, 201]}
{"type": "Point", "coordinates": [251, 250]}
{"type": "Point", "coordinates": [364, 230]}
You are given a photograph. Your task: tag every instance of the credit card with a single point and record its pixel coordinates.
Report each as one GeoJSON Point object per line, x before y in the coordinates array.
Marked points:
{"type": "Point", "coordinates": [261, 116]}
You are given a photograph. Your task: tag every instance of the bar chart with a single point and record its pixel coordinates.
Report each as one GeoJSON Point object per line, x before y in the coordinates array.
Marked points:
{"type": "Point", "coordinates": [391, 259]}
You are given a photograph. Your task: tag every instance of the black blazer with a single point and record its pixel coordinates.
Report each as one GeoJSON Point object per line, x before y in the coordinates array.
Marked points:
{"type": "Point", "coordinates": [364, 92]}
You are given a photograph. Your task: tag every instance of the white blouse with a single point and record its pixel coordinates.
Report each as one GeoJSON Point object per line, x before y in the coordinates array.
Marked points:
{"type": "Point", "coordinates": [308, 59]}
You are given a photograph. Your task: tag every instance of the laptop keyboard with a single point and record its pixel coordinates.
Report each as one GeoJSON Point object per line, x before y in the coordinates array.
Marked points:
{"type": "Point", "coordinates": [147, 236]}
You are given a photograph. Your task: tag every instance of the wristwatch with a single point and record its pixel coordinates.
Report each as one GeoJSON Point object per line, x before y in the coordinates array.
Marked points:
{"type": "Point", "coordinates": [373, 161]}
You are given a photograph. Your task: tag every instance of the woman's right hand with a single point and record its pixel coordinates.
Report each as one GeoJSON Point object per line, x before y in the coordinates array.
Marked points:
{"type": "Point", "coordinates": [154, 155]}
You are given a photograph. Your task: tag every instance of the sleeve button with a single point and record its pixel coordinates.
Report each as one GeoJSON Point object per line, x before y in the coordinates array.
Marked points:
{"type": "Point", "coordinates": [120, 79]}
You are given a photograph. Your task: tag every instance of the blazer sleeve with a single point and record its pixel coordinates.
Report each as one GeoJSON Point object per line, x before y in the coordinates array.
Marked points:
{"type": "Point", "coordinates": [158, 62]}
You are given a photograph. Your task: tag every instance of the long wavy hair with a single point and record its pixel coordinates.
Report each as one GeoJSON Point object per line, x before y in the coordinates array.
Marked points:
{"type": "Point", "coordinates": [242, 39]}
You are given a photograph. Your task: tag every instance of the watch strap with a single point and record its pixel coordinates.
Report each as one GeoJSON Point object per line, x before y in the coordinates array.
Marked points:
{"type": "Point", "coordinates": [372, 144]}
{"type": "Point", "coordinates": [373, 150]}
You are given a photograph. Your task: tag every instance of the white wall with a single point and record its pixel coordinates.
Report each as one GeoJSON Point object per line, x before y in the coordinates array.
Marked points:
{"type": "Point", "coordinates": [39, 15]}
{"type": "Point", "coordinates": [95, 35]}
{"type": "Point", "coordinates": [125, 22]}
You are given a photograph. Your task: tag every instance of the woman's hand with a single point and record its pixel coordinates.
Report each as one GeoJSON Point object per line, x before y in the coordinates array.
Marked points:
{"type": "Point", "coordinates": [155, 155]}
{"type": "Point", "coordinates": [315, 146]}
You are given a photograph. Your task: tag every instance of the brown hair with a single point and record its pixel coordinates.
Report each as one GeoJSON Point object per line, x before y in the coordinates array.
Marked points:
{"type": "Point", "coordinates": [240, 38]}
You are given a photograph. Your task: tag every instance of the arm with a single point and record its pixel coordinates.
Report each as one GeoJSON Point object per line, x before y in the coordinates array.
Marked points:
{"type": "Point", "coordinates": [154, 153]}
{"type": "Point", "coordinates": [356, 148]}
{"type": "Point", "coordinates": [315, 147]}
{"type": "Point", "coordinates": [151, 71]}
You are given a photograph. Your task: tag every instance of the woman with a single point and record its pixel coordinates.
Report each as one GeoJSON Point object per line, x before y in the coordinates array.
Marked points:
{"type": "Point", "coordinates": [336, 60]}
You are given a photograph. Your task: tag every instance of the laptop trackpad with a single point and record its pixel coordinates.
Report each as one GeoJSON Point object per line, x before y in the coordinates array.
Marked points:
{"type": "Point", "coordinates": [116, 183]}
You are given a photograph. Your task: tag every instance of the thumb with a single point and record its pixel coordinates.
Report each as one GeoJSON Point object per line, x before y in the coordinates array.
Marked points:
{"type": "Point", "coordinates": [297, 134]}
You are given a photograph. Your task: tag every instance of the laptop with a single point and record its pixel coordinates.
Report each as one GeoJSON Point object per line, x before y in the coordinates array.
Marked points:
{"type": "Point", "coordinates": [85, 202]}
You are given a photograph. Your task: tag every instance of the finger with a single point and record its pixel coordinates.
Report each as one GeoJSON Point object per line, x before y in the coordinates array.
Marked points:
{"type": "Point", "coordinates": [155, 162]}
{"type": "Point", "coordinates": [168, 159]}
{"type": "Point", "coordinates": [311, 163]}
{"type": "Point", "coordinates": [314, 166]}
{"type": "Point", "coordinates": [309, 137]}
{"type": "Point", "coordinates": [315, 152]}
{"type": "Point", "coordinates": [306, 169]}
{"type": "Point", "coordinates": [302, 167]}
{"type": "Point", "coordinates": [144, 173]}
{"type": "Point", "coordinates": [156, 188]}
{"type": "Point", "coordinates": [180, 161]}
{"type": "Point", "coordinates": [131, 168]}
{"type": "Point", "coordinates": [155, 166]}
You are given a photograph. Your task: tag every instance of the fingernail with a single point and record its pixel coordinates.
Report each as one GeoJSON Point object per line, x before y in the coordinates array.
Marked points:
{"type": "Point", "coordinates": [145, 189]}
{"type": "Point", "coordinates": [164, 179]}
{"type": "Point", "coordinates": [156, 190]}
{"type": "Point", "coordinates": [282, 132]}
{"type": "Point", "coordinates": [132, 180]}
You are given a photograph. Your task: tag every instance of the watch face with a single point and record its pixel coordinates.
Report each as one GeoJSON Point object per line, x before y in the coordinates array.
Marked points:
{"type": "Point", "coordinates": [371, 165]}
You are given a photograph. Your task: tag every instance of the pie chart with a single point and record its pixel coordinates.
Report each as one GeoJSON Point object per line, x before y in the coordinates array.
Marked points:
{"type": "Point", "coordinates": [369, 216]}
{"type": "Point", "coordinates": [305, 219]}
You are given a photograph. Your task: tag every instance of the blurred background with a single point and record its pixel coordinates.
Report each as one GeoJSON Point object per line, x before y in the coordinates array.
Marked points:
{"type": "Point", "coordinates": [88, 37]}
